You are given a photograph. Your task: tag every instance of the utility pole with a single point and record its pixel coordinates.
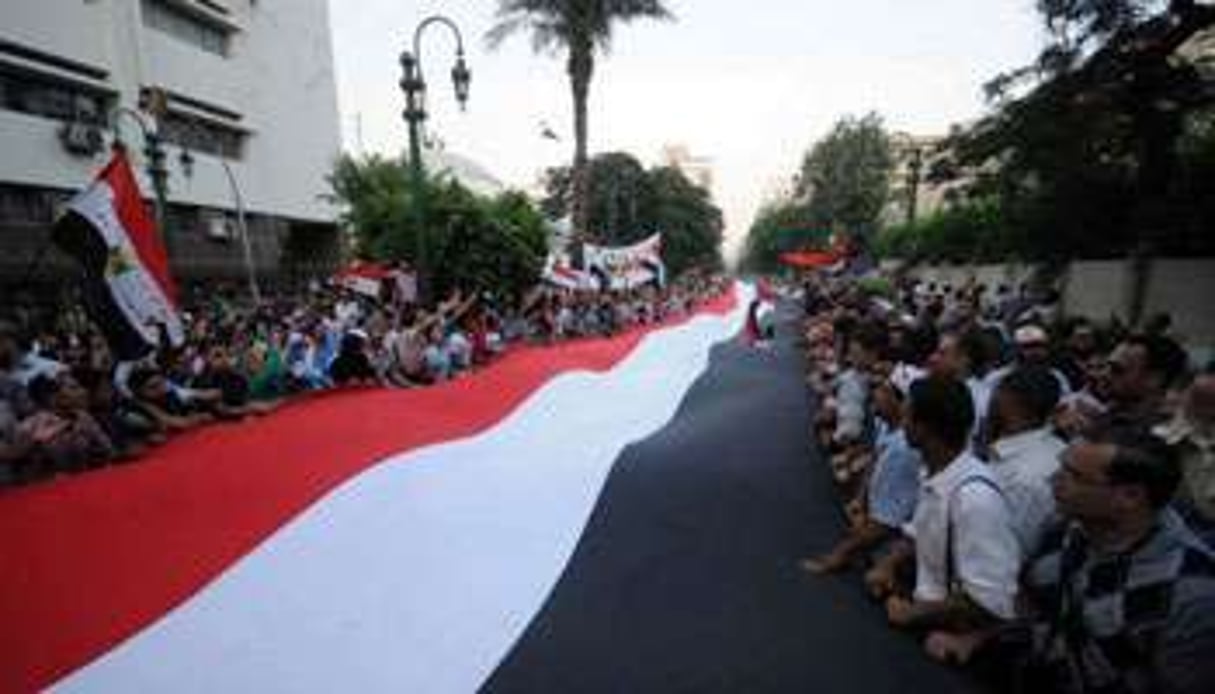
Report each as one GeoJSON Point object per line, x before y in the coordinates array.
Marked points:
{"type": "Point", "coordinates": [914, 169]}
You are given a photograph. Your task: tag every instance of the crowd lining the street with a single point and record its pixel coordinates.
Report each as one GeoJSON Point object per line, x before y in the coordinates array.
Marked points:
{"type": "Point", "coordinates": [67, 405]}
{"type": "Point", "coordinates": [1032, 494]}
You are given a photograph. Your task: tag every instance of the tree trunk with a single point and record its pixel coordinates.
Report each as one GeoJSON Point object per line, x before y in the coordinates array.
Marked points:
{"type": "Point", "coordinates": [1157, 132]}
{"type": "Point", "coordinates": [581, 66]}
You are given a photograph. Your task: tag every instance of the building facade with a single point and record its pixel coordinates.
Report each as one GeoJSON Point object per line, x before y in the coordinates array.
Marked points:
{"type": "Point", "coordinates": [911, 194]}
{"type": "Point", "coordinates": [246, 84]}
{"type": "Point", "coordinates": [698, 169]}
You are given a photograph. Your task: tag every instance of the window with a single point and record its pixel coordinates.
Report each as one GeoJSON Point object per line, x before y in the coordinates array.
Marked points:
{"type": "Point", "coordinates": [202, 136]}
{"type": "Point", "coordinates": [38, 95]}
{"type": "Point", "coordinates": [180, 24]}
{"type": "Point", "coordinates": [25, 205]}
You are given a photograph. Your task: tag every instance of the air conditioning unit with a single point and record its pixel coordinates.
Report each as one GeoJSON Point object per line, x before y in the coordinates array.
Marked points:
{"type": "Point", "coordinates": [219, 228]}
{"type": "Point", "coordinates": [81, 139]}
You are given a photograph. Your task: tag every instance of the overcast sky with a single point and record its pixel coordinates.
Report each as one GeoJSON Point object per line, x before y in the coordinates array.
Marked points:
{"type": "Point", "coordinates": [749, 84]}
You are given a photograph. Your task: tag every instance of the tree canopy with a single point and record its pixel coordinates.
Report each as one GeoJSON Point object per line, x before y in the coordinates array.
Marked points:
{"type": "Point", "coordinates": [475, 243]}
{"type": "Point", "coordinates": [627, 203]}
{"type": "Point", "coordinates": [579, 28]}
{"type": "Point", "coordinates": [842, 187]}
{"type": "Point", "coordinates": [780, 226]}
{"type": "Point", "coordinates": [845, 177]}
{"type": "Point", "coordinates": [1096, 148]}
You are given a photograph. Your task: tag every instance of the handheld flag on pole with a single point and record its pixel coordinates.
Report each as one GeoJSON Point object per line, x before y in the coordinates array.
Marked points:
{"type": "Point", "coordinates": [128, 291]}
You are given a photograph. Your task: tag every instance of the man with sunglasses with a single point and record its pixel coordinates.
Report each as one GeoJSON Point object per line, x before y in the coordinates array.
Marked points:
{"type": "Point", "coordinates": [1141, 370]}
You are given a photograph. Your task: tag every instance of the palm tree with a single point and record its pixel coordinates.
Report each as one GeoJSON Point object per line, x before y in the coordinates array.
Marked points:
{"type": "Point", "coordinates": [579, 27]}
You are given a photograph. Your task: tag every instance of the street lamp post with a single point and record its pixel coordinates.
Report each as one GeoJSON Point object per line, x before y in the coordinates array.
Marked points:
{"type": "Point", "coordinates": [915, 169]}
{"type": "Point", "coordinates": [187, 165]}
{"type": "Point", "coordinates": [154, 154]}
{"type": "Point", "coordinates": [413, 84]}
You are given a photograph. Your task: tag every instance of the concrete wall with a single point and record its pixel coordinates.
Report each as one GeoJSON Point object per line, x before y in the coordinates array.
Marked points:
{"type": "Point", "coordinates": [1099, 289]}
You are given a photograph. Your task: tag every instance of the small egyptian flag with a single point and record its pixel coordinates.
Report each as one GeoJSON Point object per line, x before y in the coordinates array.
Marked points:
{"type": "Point", "coordinates": [128, 291]}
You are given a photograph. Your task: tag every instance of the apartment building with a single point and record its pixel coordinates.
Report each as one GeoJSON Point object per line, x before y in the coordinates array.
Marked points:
{"type": "Point", "coordinates": [241, 94]}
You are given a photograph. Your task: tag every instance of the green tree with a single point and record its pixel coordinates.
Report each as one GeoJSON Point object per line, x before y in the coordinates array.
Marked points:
{"type": "Point", "coordinates": [971, 231]}
{"type": "Point", "coordinates": [496, 244]}
{"type": "Point", "coordinates": [781, 226]}
{"type": "Point", "coordinates": [846, 177]}
{"type": "Point", "coordinates": [627, 203]}
{"type": "Point", "coordinates": [1086, 147]}
{"type": "Point", "coordinates": [478, 244]}
{"type": "Point", "coordinates": [375, 197]}
{"type": "Point", "coordinates": [618, 192]}
{"type": "Point", "coordinates": [690, 223]}
{"type": "Point", "coordinates": [1090, 156]}
{"type": "Point", "coordinates": [579, 28]}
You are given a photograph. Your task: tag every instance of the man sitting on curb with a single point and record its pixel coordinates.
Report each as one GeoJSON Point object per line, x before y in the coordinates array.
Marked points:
{"type": "Point", "coordinates": [892, 486]}
{"type": "Point", "coordinates": [966, 553]}
{"type": "Point", "coordinates": [1122, 596]}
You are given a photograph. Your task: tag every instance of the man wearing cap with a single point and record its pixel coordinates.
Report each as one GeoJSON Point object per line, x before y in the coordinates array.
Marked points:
{"type": "Point", "coordinates": [1032, 349]}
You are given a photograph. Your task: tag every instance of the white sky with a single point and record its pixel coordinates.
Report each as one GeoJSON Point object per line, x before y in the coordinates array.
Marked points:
{"type": "Point", "coordinates": [749, 84]}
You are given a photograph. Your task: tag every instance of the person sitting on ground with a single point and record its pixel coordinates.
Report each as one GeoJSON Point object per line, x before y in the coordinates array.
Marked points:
{"type": "Point", "coordinates": [1025, 452]}
{"type": "Point", "coordinates": [352, 366]}
{"type": "Point", "coordinates": [961, 538]}
{"type": "Point", "coordinates": [154, 398]}
{"type": "Point", "coordinates": [19, 361]}
{"type": "Point", "coordinates": [1122, 597]}
{"type": "Point", "coordinates": [266, 368]}
{"type": "Point", "coordinates": [130, 437]}
{"type": "Point", "coordinates": [892, 488]}
{"type": "Point", "coordinates": [63, 435]}
{"type": "Point", "coordinates": [963, 356]}
{"type": "Point", "coordinates": [302, 361]}
{"type": "Point", "coordinates": [14, 447]}
{"type": "Point", "coordinates": [408, 349]}
{"type": "Point", "coordinates": [852, 404]}
{"type": "Point", "coordinates": [220, 373]}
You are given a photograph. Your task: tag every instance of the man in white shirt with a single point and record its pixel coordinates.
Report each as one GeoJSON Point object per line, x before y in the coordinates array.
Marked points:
{"type": "Point", "coordinates": [1025, 453]}
{"type": "Point", "coordinates": [966, 554]}
{"type": "Point", "coordinates": [961, 356]}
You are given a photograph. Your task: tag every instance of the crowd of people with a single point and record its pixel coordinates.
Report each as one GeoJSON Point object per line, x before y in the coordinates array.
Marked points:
{"type": "Point", "coordinates": [1032, 494]}
{"type": "Point", "coordinates": [67, 405]}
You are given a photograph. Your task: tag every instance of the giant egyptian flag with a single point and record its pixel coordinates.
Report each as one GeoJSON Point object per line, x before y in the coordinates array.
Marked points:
{"type": "Point", "coordinates": [129, 292]}
{"type": "Point", "coordinates": [381, 540]}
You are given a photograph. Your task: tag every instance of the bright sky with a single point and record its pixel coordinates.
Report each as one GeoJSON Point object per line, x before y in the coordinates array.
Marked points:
{"type": "Point", "coordinates": [749, 84]}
